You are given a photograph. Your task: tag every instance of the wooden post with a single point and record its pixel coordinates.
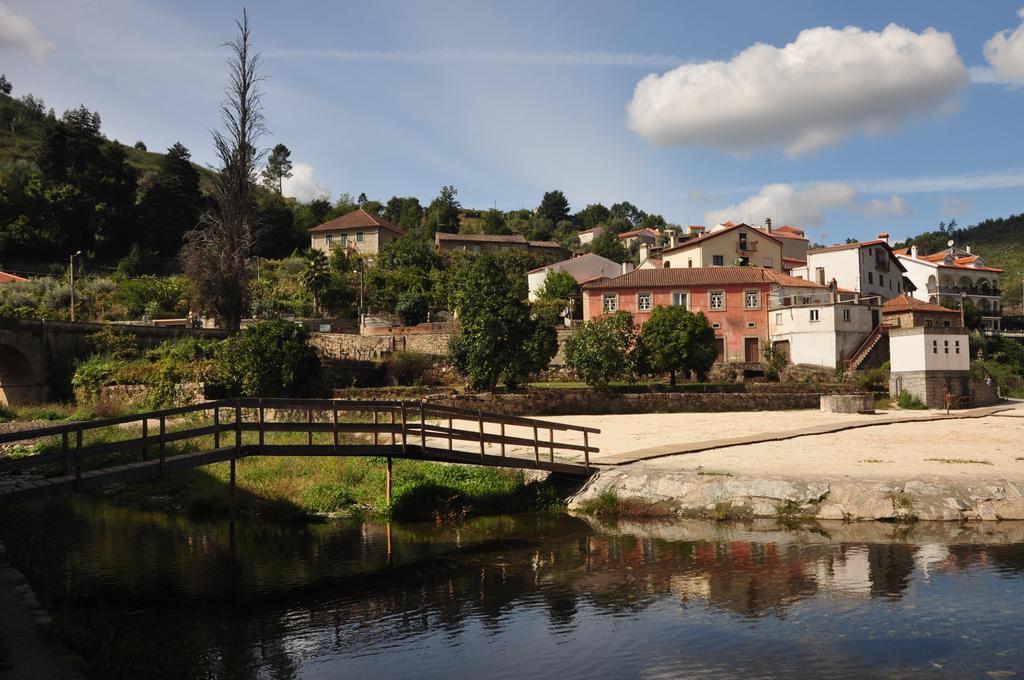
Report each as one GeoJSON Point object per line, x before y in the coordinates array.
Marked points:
{"type": "Point", "coordinates": [145, 436]}
{"type": "Point", "coordinates": [163, 443]}
{"type": "Point", "coordinates": [450, 438]}
{"type": "Point", "coordinates": [480, 419]}
{"type": "Point", "coordinates": [78, 458]}
{"type": "Point", "coordinates": [334, 415]}
{"type": "Point", "coordinates": [551, 443]}
{"type": "Point", "coordinates": [503, 440]}
{"type": "Point", "coordinates": [309, 420]}
{"type": "Point", "coordinates": [423, 429]}
{"type": "Point", "coordinates": [238, 429]}
{"type": "Point", "coordinates": [392, 426]}
{"type": "Point", "coordinates": [216, 425]}
{"type": "Point", "coordinates": [387, 482]}
{"type": "Point", "coordinates": [405, 433]}
{"type": "Point", "coordinates": [261, 425]}
{"type": "Point", "coordinates": [376, 434]}
{"type": "Point", "coordinates": [67, 453]}
{"type": "Point", "coordinates": [536, 446]}
{"type": "Point", "coordinates": [586, 449]}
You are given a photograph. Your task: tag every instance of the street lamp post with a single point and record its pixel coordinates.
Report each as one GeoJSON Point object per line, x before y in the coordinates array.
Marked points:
{"type": "Point", "coordinates": [360, 272]}
{"type": "Point", "coordinates": [71, 265]}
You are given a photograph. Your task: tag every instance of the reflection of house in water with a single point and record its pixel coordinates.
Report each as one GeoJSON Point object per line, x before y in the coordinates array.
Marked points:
{"type": "Point", "coordinates": [931, 557]}
{"type": "Point", "coordinates": [890, 567]}
{"type": "Point", "coordinates": [847, 572]}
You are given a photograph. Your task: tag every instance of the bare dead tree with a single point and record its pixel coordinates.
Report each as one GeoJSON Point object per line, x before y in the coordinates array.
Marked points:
{"type": "Point", "coordinates": [216, 253]}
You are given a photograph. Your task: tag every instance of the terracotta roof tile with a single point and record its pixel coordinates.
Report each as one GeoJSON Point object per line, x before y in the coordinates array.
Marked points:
{"type": "Point", "coordinates": [715, 234]}
{"type": "Point", "coordinates": [357, 219]}
{"type": "Point", "coordinates": [905, 303]}
{"type": "Point", "coordinates": [482, 238]}
{"type": "Point", "coordinates": [11, 278]}
{"type": "Point", "coordinates": [702, 276]}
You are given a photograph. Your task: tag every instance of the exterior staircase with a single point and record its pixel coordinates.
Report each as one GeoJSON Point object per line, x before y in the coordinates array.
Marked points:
{"type": "Point", "coordinates": [854, 361]}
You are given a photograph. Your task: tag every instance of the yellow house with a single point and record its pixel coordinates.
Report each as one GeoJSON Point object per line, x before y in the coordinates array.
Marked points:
{"type": "Point", "coordinates": [734, 244]}
{"type": "Point", "coordinates": [359, 231]}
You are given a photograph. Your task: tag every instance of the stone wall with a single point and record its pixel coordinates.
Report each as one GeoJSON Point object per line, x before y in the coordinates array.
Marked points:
{"type": "Point", "coordinates": [931, 387]}
{"type": "Point", "coordinates": [121, 397]}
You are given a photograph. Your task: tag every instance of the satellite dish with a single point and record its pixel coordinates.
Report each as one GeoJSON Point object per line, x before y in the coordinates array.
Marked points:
{"type": "Point", "coordinates": [949, 243]}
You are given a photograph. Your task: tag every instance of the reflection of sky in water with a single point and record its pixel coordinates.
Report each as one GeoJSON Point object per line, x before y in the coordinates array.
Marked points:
{"type": "Point", "coordinates": [543, 596]}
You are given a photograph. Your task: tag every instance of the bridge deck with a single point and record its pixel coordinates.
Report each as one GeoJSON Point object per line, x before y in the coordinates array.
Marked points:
{"type": "Point", "coordinates": [408, 430]}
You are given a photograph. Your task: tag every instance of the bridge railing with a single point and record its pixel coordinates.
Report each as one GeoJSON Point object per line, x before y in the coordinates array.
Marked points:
{"type": "Point", "coordinates": [354, 427]}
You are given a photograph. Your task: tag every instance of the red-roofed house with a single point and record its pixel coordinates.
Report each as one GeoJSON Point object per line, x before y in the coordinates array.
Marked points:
{"type": "Point", "coordinates": [359, 230]}
{"type": "Point", "coordinates": [734, 299]}
{"type": "Point", "coordinates": [11, 278]}
{"type": "Point", "coordinates": [646, 236]}
{"type": "Point", "coordinates": [946, 276]}
{"type": "Point", "coordinates": [868, 267]}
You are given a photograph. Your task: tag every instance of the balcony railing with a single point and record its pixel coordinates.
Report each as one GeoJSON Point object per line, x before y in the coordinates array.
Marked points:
{"type": "Point", "coordinates": [967, 290]}
{"type": "Point", "coordinates": [746, 247]}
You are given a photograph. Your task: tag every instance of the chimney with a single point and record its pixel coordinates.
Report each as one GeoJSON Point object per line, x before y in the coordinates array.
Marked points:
{"type": "Point", "coordinates": [643, 251]}
{"type": "Point", "coordinates": [968, 250]}
{"type": "Point", "coordinates": [627, 267]}
{"type": "Point", "coordinates": [768, 224]}
{"type": "Point", "coordinates": [913, 252]}
{"type": "Point", "coordinates": [884, 236]}
{"type": "Point", "coordinates": [673, 238]}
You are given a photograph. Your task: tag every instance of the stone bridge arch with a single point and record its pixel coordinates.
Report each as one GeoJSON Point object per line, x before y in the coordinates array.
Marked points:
{"type": "Point", "coordinates": [22, 378]}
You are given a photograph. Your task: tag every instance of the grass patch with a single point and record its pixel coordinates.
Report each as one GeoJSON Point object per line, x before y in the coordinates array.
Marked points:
{"type": "Point", "coordinates": [608, 504]}
{"type": "Point", "coordinates": [713, 473]}
{"type": "Point", "coordinates": [906, 400]}
{"type": "Point", "coordinates": [960, 461]}
{"type": "Point", "coordinates": [46, 412]}
{"type": "Point", "coordinates": [874, 460]}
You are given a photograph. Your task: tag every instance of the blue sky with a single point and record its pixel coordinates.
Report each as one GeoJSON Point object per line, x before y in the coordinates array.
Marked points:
{"type": "Point", "coordinates": [845, 133]}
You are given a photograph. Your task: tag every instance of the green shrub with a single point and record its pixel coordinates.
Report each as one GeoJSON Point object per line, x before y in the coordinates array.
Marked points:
{"type": "Point", "coordinates": [876, 379]}
{"type": "Point", "coordinates": [267, 359]}
{"type": "Point", "coordinates": [409, 368]}
{"type": "Point", "coordinates": [412, 307]}
{"type": "Point", "coordinates": [907, 400]}
{"type": "Point", "coordinates": [599, 352]}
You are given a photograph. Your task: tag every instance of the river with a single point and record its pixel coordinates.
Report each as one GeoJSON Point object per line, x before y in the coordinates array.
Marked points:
{"type": "Point", "coordinates": [156, 594]}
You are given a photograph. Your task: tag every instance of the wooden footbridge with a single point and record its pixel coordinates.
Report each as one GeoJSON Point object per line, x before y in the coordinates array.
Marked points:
{"type": "Point", "coordinates": [78, 456]}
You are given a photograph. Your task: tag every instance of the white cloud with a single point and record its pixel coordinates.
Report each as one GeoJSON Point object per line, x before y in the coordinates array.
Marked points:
{"type": "Point", "coordinates": [303, 184]}
{"type": "Point", "coordinates": [813, 92]}
{"type": "Point", "coordinates": [804, 206]}
{"type": "Point", "coordinates": [1005, 52]}
{"type": "Point", "coordinates": [877, 207]}
{"type": "Point", "coordinates": [17, 32]}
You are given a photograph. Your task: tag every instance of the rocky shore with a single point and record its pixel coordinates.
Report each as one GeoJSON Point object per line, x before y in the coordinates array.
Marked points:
{"type": "Point", "coordinates": [729, 496]}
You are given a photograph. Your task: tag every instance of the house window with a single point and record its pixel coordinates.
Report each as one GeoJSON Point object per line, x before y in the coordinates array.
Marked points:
{"type": "Point", "coordinates": [927, 323]}
{"type": "Point", "coordinates": [359, 237]}
{"type": "Point", "coordinates": [768, 263]}
{"type": "Point", "coordinates": [643, 302]}
{"type": "Point", "coordinates": [871, 277]}
{"type": "Point", "coordinates": [935, 346]}
{"type": "Point", "coordinates": [717, 260]}
{"type": "Point", "coordinates": [751, 324]}
{"type": "Point", "coordinates": [945, 344]}
{"type": "Point", "coordinates": [778, 318]}
{"type": "Point", "coordinates": [329, 240]}
{"type": "Point", "coordinates": [846, 315]}
{"type": "Point", "coordinates": [958, 347]}
{"type": "Point", "coordinates": [946, 323]}
{"type": "Point", "coordinates": [751, 299]}
{"type": "Point", "coordinates": [611, 302]}
{"type": "Point", "coordinates": [689, 263]}
{"type": "Point", "coordinates": [814, 315]}
{"type": "Point", "coordinates": [716, 325]}
{"type": "Point", "coordinates": [819, 275]}
{"type": "Point", "coordinates": [881, 281]}
{"type": "Point", "coordinates": [679, 299]}
{"type": "Point", "coordinates": [743, 240]}
{"type": "Point", "coordinates": [716, 300]}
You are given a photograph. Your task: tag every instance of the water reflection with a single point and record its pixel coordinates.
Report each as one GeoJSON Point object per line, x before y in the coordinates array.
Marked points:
{"type": "Point", "coordinates": [687, 598]}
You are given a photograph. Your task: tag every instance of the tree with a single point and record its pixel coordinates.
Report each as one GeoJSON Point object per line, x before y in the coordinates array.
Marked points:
{"type": "Point", "coordinates": [558, 285]}
{"type": "Point", "coordinates": [599, 351]}
{"type": "Point", "coordinates": [171, 205]}
{"type": "Point", "coordinates": [315, 276]}
{"type": "Point", "coordinates": [443, 213]}
{"type": "Point", "coordinates": [672, 340]}
{"type": "Point", "coordinates": [140, 146]}
{"type": "Point", "coordinates": [607, 244]}
{"type": "Point", "coordinates": [279, 168]}
{"type": "Point", "coordinates": [5, 85]}
{"type": "Point", "coordinates": [216, 254]}
{"type": "Point", "coordinates": [554, 206]}
{"type": "Point", "coordinates": [498, 341]}
{"type": "Point", "coordinates": [268, 359]}
{"type": "Point", "coordinates": [591, 216]}
{"type": "Point", "coordinates": [406, 212]}
{"type": "Point", "coordinates": [401, 268]}
{"type": "Point", "coordinates": [494, 222]}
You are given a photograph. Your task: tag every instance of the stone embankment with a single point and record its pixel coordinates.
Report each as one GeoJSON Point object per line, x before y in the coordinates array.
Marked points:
{"type": "Point", "coordinates": [723, 496]}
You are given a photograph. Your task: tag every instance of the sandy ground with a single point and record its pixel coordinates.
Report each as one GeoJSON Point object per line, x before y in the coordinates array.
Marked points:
{"type": "Point", "coordinates": [884, 452]}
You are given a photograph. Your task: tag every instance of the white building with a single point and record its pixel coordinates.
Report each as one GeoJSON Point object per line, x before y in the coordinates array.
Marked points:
{"type": "Point", "coordinates": [589, 235]}
{"type": "Point", "coordinates": [585, 268]}
{"type": "Point", "coordinates": [823, 329]}
{"type": "Point", "coordinates": [945, 277]}
{"type": "Point", "coordinates": [868, 267]}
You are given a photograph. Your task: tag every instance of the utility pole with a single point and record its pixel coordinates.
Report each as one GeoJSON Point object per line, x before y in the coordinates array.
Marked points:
{"type": "Point", "coordinates": [71, 264]}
